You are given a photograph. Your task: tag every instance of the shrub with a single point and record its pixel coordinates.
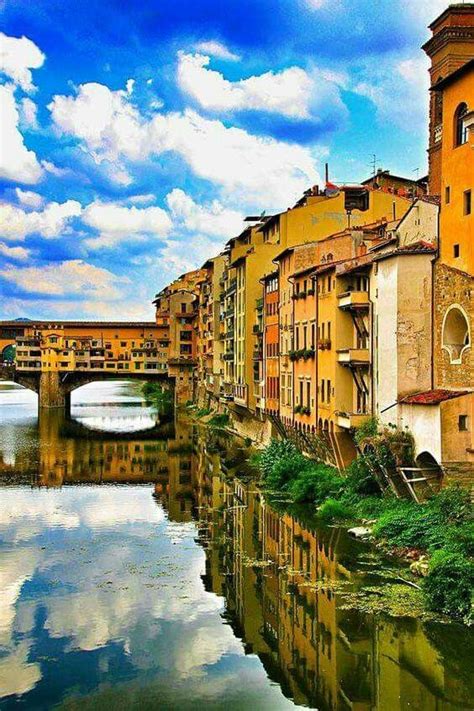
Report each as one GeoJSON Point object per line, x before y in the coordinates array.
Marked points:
{"type": "Point", "coordinates": [333, 510]}
{"type": "Point", "coordinates": [315, 483]}
{"type": "Point", "coordinates": [276, 450]}
{"type": "Point", "coordinates": [220, 420]}
{"type": "Point", "coordinates": [203, 412]}
{"type": "Point", "coordinates": [450, 582]}
{"type": "Point", "coordinates": [359, 479]}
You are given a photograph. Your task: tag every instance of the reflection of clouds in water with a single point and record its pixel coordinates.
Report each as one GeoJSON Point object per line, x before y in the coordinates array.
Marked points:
{"type": "Point", "coordinates": [109, 423]}
{"type": "Point", "coordinates": [125, 571]}
{"type": "Point", "coordinates": [25, 515]}
{"type": "Point", "coordinates": [17, 674]}
{"type": "Point", "coordinates": [16, 568]}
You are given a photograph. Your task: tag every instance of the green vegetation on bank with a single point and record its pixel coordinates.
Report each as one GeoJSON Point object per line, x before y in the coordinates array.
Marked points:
{"type": "Point", "coordinates": [158, 396]}
{"type": "Point", "coordinates": [442, 528]}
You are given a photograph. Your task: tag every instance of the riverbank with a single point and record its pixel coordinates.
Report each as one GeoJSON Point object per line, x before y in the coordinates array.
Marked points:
{"type": "Point", "coordinates": [437, 536]}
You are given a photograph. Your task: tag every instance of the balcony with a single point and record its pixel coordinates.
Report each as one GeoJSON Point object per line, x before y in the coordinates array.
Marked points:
{"type": "Point", "coordinates": [240, 395]}
{"type": "Point", "coordinates": [232, 288]}
{"type": "Point", "coordinates": [229, 313]}
{"type": "Point", "coordinates": [229, 356]}
{"type": "Point", "coordinates": [229, 334]}
{"type": "Point", "coordinates": [353, 356]}
{"type": "Point", "coordinates": [354, 300]}
{"type": "Point", "coordinates": [351, 420]}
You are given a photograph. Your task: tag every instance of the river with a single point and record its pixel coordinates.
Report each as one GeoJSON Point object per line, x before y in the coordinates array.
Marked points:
{"type": "Point", "coordinates": [141, 569]}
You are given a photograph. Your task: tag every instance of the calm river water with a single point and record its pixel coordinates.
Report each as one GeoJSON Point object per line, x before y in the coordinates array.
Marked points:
{"type": "Point", "coordinates": [140, 569]}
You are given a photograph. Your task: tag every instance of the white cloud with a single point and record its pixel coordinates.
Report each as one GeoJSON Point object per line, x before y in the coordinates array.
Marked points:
{"type": "Point", "coordinates": [50, 222]}
{"type": "Point", "coordinates": [257, 170]}
{"type": "Point", "coordinates": [28, 113]}
{"type": "Point", "coordinates": [178, 256]}
{"type": "Point", "coordinates": [19, 254]}
{"type": "Point", "coordinates": [142, 199]}
{"type": "Point", "coordinates": [213, 219]}
{"type": "Point", "coordinates": [54, 170]}
{"type": "Point", "coordinates": [18, 55]}
{"type": "Point", "coordinates": [105, 120]}
{"type": "Point", "coordinates": [115, 223]}
{"type": "Point", "coordinates": [29, 198]}
{"type": "Point", "coordinates": [287, 92]}
{"type": "Point", "coordinates": [17, 163]}
{"type": "Point", "coordinates": [405, 78]}
{"type": "Point", "coordinates": [217, 49]}
{"type": "Point", "coordinates": [73, 277]}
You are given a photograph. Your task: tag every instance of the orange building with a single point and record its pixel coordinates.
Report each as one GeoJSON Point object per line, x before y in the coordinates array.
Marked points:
{"type": "Point", "coordinates": [271, 343]}
{"type": "Point", "coordinates": [449, 48]}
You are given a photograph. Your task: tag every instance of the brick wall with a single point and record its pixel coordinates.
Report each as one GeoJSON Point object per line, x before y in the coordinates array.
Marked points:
{"type": "Point", "coordinates": [452, 286]}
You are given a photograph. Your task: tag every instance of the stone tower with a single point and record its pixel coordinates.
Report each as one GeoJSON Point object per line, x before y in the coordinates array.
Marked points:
{"type": "Point", "coordinates": [451, 46]}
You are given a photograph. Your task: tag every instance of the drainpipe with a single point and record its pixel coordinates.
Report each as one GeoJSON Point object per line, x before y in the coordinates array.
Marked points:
{"type": "Point", "coordinates": [316, 348]}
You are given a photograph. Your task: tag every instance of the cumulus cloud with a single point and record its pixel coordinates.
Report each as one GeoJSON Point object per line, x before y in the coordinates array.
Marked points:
{"type": "Point", "coordinates": [28, 113]}
{"type": "Point", "coordinates": [218, 50]}
{"type": "Point", "coordinates": [405, 78]}
{"type": "Point", "coordinates": [17, 163]}
{"type": "Point", "coordinates": [73, 278]}
{"type": "Point", "coordinates": [104, 120]}
{"type": "Point", "coordinates": [142, 199]}
{"type": "Point", "coordinates": [287, 92]}
{"type": "Point", "coordinates": [115, 223]}
{"type": "Point", "coordinates": [19, 254]}
{"type": "Point", "coordinates": [18, 56]}
{"type": "Point", "coordinates": [212, 219]}
{"type": "Point", "coordinates": [51, 222]}
{"type": "Point", "coordinates": [255, 169]}
{"type": "Point", "coordinates": [29, 198]}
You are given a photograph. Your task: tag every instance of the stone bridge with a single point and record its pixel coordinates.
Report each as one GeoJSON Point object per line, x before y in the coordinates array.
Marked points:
{"type": "Point", "coordinates": [53, 359]}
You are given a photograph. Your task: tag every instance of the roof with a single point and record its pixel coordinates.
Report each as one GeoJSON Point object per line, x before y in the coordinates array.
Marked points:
{"type": "Point", "coordinates": [456, 74]}
{"type": "Point", "coordinates": [269, 221]}
{"type": "Point", "coordinates": [420, 247]}
{"type": "Point", "coordinates": [432, 397]}
{"type": "Point", "coordinates": [59, 323]}
{"type": "Point", "coordinates": [464, 8]}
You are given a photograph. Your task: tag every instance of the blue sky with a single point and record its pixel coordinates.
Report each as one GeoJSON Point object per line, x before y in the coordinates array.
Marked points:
{"type": "Point", "coordinates": [135, 136]}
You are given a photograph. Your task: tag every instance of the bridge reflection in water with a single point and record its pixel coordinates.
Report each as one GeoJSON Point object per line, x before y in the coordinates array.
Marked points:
{"type": "Point", "coordinates": [265, 563]}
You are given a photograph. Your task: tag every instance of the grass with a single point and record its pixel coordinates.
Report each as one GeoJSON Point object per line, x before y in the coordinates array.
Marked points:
{"type": "Point", "coordinates": [443, 527]}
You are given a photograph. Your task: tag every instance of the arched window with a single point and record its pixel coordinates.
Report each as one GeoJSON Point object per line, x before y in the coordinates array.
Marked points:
{"type": "Point", "coordinates": [455, 337]}
{"type": "Point", "coordinates": [460, 130]}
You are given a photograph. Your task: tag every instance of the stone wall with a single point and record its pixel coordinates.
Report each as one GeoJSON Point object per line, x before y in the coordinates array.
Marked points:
{"type": "Point", "coordinates": [452, 286]}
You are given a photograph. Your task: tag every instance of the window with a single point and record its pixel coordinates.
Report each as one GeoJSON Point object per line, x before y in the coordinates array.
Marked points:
{"type": "Point", "coordinates": [463, 423]}
{"type": "Point", "coordinates": [467, 202]}
{"type": "Point", "coordinates": [456, 251]}
{"type": "Point", "coordinates": [455, 335]}
{"type": "Point", "coordinates": [460, 129]}
{"type": "Point", "coordinates": [447, 195]}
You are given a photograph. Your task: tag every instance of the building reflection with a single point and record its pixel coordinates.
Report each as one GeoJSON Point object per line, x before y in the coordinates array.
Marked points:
{"type": "Point", "coordinates": [274, 568]}
{"type": "Point", "coordinates": [276, 572]}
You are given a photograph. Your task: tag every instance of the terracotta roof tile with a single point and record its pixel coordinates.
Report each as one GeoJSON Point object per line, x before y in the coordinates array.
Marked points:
{"type": "Point", "coordinates": [432, 397]}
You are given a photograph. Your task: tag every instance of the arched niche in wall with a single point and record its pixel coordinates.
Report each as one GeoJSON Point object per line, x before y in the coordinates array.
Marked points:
{"type": "Point", "coordinates": [456, 336]}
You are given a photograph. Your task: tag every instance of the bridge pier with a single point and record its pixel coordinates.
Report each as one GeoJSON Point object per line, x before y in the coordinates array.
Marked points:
{"type": "Point", "coordinates": [52, 392]}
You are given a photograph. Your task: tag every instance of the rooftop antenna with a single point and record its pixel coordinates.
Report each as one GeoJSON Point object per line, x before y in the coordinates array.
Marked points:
{"type": "Point", "coordinates": [373, 163]}
{"type": "Point", "coordinates": [415, 187]}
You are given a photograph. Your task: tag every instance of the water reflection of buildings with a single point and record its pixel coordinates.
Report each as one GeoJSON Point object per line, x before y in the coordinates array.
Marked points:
{"type": "Point", "coordinates": [274, 570]}
{"type": "Point", "coordinates": [269, 567]}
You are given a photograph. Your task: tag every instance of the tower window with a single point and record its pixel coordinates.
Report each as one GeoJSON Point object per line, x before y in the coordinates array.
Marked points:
{"type": "Point", "coordinates": [467, 202]}
{"type": "Point", "coordinates": [447, 195]}
{"type": "Point", "coordinates": [456, 337]}
{"type": "Point", "coordinates": [460, 129]}
{"type": "Point", "coordinates": [456, 251]}
{"type": "Point", "coordinates": [462, 423]}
